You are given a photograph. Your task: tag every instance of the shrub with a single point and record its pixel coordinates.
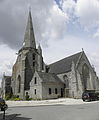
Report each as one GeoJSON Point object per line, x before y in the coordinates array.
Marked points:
{"type": "Point", "coordinates": [7, 97]}
{"type": "Point", "coordinates": [27, 97]}
{"type": "Point", "coordinates": [16, 98]}
{"type": "Point", "coordinates": [30, 99]}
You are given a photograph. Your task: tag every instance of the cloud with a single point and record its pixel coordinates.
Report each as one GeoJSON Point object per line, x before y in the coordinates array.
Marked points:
{"type": "Point", "coordinates": [68, 6]}
{"type": "Point", "coordinates": [50, 22]}
{"type": "Point", "coordinates": [48, 19]}
{"type": "Point", "coordinates": [88, 12]}
{"type": "Point", "coordinates": [96, 34]}
{"type": "Point", "coordinates": [50, 26]}
{"type": "Point", "coordinates": [7, 59]}
{"type": "Point", "coordinates": [94, 58]}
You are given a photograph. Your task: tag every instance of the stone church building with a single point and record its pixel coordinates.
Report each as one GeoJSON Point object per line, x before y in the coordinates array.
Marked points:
{"type": "Point", "coordinates": [68, 77]}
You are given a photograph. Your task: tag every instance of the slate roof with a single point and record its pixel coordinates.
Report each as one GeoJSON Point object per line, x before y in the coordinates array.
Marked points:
{"type": "Point", "coordinates": [64, 65]}
{"type": "Point", "coordinates": [49, 77]}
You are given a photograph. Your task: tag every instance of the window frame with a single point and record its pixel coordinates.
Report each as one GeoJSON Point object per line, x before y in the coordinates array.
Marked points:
{"type": "Point", "coordinates": [35, 92]}
{"type": "Point", "coordinates": [35, 80]}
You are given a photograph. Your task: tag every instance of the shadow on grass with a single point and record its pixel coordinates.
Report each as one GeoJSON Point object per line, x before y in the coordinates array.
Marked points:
{"type": "Point", "coordinates": [13, 117]}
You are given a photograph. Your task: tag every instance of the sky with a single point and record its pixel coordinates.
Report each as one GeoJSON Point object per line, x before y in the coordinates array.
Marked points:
{"type": "Point", "coordinates": [62, 27]}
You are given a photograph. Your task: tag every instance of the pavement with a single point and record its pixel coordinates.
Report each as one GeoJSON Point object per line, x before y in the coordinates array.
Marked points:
{"type": "Point", "coordinates": [60, 101]}
{"type": "Point", "coordinates": [7, 117]}
{"type": "Point", "coordinates": [22, 104]}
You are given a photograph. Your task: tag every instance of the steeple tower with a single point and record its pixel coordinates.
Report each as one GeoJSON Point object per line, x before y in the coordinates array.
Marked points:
{"type": "Point", "coordinates": [29, 38]}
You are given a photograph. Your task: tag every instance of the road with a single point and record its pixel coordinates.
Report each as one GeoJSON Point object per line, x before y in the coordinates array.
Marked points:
{"type": "Point", "coordinates": [56, 112]}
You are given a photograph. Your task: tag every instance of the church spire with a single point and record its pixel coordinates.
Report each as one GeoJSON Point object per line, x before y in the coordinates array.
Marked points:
{"type": "Point", "coordinates": [29, 38]}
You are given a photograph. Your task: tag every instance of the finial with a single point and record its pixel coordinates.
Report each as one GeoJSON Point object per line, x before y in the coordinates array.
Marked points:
{"type": "Point", "coordinates": [29, 5]}
{"type": "Point", "coordinates": [29, 8]}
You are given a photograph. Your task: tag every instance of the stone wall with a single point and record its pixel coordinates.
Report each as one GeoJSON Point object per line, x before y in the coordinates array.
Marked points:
{"type": "Point", "coordinates": [37, 87]}
{"type": "Point", "coordinates": [52, 86]}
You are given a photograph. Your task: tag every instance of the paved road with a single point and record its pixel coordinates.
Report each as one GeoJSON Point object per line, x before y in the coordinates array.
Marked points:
{"type": "Point", "coordinates": [56, 112]}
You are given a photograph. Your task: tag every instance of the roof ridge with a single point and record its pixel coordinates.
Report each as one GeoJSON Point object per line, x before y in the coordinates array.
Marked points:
{"type": "Point", "coordinates": [65, 58]}
{"type": "Point", "coordinates": [64, 65]}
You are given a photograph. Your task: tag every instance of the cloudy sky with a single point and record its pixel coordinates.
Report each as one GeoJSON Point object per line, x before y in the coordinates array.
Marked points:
{"type": "Point", "coordinates": [62, 27]}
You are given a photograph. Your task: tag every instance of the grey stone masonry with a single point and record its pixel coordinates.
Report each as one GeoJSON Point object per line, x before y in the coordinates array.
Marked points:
{"type": "Point", "coordinates": [68, 77]}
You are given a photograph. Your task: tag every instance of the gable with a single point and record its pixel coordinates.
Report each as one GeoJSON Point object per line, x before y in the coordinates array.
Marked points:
{"type": "Point", "coordinates": [84, 60]}
{"type": "Point", "coordinates": [38, 81]}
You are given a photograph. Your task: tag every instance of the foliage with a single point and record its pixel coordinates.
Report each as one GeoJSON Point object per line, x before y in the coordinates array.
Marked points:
{"type": "Point", "coordinates": [15, 98]}
{"type": "Point", "coordinates": [8, 96]}
{"type": "Point", "coordinates": [27, 97]}
{"type": "Point", "coordinates": [97, 94]}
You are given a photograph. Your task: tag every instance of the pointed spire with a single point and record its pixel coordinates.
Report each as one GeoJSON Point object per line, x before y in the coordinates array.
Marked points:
{"type": "Point", "coordinates": [29, 38]}
{"type": "Point", "coordinates": [39, 49]}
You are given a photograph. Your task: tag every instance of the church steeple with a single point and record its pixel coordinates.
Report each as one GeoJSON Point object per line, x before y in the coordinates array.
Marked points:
{"type": "Point", "coordinates": [29, 38]}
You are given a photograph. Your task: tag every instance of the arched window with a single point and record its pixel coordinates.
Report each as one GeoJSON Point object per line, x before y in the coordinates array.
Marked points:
{"type": "Point", "coordinates": [33, 64]}
{"type": "Point", "coordinates": [33, 56]}
{"type": "Point", "coordinates": [85, 75]}
{"type": "Point", "coordinates": [65, 78]}
{"type": "Point", "coordinates": [35, 91]}
{"type": "Point", "coordinates": [19, 84]}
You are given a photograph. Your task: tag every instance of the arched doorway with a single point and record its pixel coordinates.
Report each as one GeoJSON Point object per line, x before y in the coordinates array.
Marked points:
{"type": "Point", "coordinates": [85, 76]}
{"type": "Point", "coordinates": [66, 85]}
{"type": "Point", "coordinates": [19, 84]}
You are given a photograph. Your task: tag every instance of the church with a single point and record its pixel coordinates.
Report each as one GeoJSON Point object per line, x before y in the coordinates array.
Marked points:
{"type": "Point", "coordinates": [68, 77]}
